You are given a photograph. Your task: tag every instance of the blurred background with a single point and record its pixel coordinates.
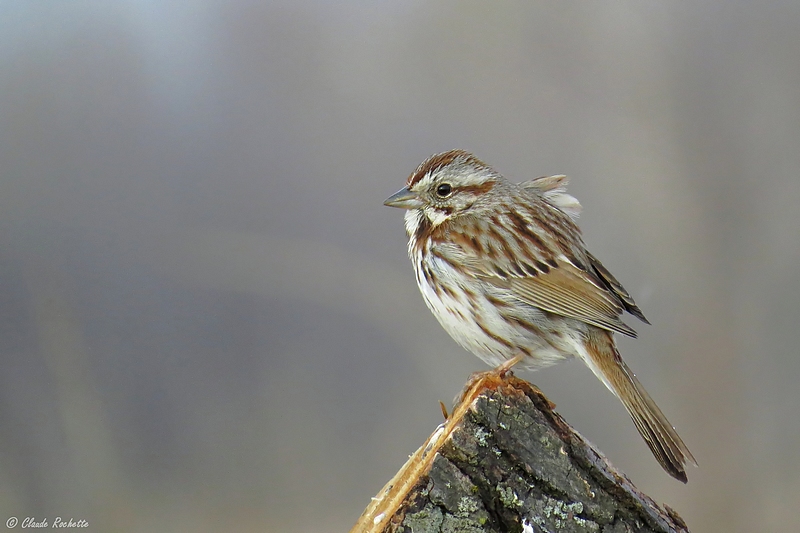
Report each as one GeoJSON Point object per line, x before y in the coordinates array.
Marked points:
{"type": "Point", "coordinates": [207, 317]}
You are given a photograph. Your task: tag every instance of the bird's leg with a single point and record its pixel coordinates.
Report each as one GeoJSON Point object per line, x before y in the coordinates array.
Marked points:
{"type": "Point", "coordinates": [480, 380]}
{"type": "Point", "coordinates": [498, 372]}
{"type": "Point", "coordinates": [504, 368]}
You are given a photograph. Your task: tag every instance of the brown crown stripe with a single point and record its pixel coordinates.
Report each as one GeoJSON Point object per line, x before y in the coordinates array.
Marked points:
{"type": "Point", "coordinates": [436, 162]}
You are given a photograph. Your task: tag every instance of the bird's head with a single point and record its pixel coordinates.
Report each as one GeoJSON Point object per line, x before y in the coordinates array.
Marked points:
{"type": "Point", "coordinates": [446, 186]}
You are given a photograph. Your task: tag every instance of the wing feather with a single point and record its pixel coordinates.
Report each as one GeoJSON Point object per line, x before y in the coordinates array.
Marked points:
{"type": "Point", "coordinates": [539, 273]}
{"type": "Point", "coordinates": [617, 288]}
{"type": "Point", "coordinates": [566, 291]}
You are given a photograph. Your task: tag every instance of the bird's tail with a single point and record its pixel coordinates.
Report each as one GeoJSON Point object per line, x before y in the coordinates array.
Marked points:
{"type": "Point", "coordinates": [662, 439]}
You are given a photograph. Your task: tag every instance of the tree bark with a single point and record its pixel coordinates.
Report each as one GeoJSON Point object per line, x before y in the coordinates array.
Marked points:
{"type": "Point", "coordinates": [505, 461]}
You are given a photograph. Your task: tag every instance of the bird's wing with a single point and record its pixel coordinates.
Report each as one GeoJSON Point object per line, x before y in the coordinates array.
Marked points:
{"type": "Point", "coordinates": [538, 273]}
{"type": "Point", "coordinates": [571, 292]}
{"type": "Point", "coordinates": [617, 288]}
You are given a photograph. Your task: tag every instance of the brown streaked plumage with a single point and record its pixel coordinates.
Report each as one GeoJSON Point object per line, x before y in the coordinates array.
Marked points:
{"type": "Point", "coordinates": [504, 269]}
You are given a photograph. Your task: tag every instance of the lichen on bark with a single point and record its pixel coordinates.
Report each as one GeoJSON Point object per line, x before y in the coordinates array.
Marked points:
{"type": "Point", "coordinates": [504, 462]}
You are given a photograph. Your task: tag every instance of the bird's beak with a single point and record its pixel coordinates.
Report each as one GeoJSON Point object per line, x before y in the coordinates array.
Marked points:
{"type": "Point", "coordinates": [404, 199]}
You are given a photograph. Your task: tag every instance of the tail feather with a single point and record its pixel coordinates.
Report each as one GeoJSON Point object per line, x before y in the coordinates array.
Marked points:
{"type": "Point", "coordinates": [662, 439]}
{"type": "Point", "coordinates": [653, 426]}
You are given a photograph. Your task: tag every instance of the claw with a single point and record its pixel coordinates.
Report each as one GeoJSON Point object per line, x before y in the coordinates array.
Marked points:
{"type": "Point", "coordinates": [444, 410]}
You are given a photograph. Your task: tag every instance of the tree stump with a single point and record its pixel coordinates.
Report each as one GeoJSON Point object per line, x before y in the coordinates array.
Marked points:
{"type": "Point", "coordinates": [504, 461]}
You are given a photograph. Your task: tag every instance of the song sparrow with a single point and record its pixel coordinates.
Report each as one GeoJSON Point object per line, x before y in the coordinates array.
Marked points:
{"type": "Point", "coordinates": [504, 269]}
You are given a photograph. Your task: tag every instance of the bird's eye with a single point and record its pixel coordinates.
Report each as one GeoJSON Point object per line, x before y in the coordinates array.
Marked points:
{"type": "Point", "coordinates": [444, 190]}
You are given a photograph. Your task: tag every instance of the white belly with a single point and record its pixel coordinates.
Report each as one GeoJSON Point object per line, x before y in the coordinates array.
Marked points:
{"type": "Point", "coordinates": [482, 328]}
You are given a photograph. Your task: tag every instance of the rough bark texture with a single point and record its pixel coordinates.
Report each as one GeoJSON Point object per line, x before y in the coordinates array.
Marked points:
{"type": "Point", "coordinates": [505, 461]}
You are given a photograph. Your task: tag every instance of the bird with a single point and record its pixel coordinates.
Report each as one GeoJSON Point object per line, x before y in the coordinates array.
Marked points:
{"type": "Point", "coordinates": [504, 269]}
